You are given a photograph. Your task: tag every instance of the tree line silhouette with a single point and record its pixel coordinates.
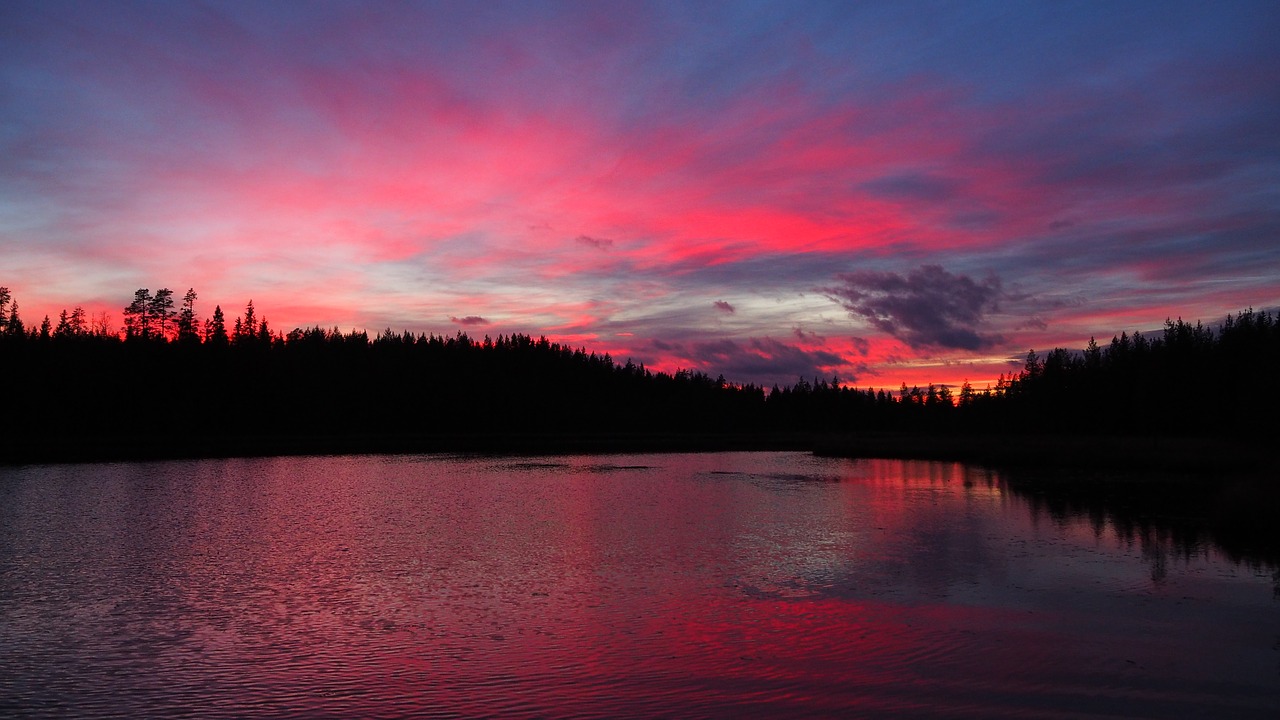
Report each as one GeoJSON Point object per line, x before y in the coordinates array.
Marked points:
{"type": "Point", "coordinates": [171, 380]}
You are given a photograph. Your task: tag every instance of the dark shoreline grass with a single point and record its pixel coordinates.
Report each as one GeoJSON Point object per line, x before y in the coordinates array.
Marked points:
{"type": "Point", "coordinates": [1153, 454]}
{"type": "Point", "coordinates": [1192, 455]}
{"type": "Point", "coordinates": [39, 451]}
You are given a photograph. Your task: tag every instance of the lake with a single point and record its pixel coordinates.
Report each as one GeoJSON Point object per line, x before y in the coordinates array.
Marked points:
{"type": "Point", "coordinates": [689, 585]}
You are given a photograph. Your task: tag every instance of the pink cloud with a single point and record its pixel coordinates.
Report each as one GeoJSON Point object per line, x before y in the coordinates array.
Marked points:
{"type": "Point", "coordinates": [358, 174]}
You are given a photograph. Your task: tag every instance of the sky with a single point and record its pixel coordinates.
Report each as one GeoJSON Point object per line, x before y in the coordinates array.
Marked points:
{"type": "Point", "coordinates": [885, 192]}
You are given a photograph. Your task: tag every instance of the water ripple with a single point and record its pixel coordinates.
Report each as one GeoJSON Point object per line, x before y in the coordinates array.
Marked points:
{"type": "Point", "coordinates": [726, 585]}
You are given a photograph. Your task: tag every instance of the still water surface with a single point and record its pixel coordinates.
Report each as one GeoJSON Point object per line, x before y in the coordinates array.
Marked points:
{"type": "Point", "coordinates": [701, 585]}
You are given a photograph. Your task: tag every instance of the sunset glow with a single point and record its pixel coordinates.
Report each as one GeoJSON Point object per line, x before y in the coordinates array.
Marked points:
{"type": "Point", "coordinates": [889, 193]}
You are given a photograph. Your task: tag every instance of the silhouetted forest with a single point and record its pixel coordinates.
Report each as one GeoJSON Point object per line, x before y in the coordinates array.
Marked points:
{"type": "Point", "coordinates": [170, 379]}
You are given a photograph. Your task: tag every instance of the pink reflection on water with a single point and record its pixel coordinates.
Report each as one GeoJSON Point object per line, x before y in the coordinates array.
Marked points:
{"type": "Point", "coordinates": [771, 584]}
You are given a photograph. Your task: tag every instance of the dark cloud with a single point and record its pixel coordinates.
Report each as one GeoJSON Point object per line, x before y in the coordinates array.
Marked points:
{"type": "Point", "coordinates": [975, 220]}
{"type": "Point", "coordinates": [716, 349]}
{"type": "Point", "coordinates": [765, 361]}
{"type": "Point", "coordinates": [807, 335]}
{"type": "Point", "coordinates": [665, 346]}
{"type": "Point", "coordinates": [595, 242]}
{"type": "Point", "coordinates": [861, 345]}
{"type": "Point", "coordinates": [1034, 323]}
{"type": "Point", "coordinates": [929, 307]}
{"type": "Point", "coordinates": [469, 320]}
{"type": "Point", "coordinates": [723, 306]}
{"type": "Point", "coordinates": [912, 186]}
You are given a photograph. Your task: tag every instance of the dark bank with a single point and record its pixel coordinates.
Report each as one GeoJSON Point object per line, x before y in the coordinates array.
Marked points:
{"type": "Point", "coordinates": [1188, 398]}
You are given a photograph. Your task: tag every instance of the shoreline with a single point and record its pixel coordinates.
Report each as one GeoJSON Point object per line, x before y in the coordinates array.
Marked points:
{"type": "Point", "coordinates": [38, 451]}
{"type": "Point", "coordinates": [1151, 454]}
{"type": "Point", "coordinates": [1195, 455]}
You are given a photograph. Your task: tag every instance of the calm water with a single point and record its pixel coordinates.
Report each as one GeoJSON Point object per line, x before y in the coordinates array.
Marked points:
{"type": "Point", "coordinates": [769, 584]}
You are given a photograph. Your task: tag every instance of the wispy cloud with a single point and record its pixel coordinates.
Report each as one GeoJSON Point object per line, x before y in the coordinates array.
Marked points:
{"type": "Point", "coordinates": [596, 242]}
{"type": "Point", "coordinates": [765, 360]}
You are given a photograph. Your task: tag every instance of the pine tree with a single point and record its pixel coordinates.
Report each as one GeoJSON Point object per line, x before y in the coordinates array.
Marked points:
{"type": "Point", "coordinates": [247, 326]}
{"type": "Point", "coordinates": [215, 329]}
{"type": "Point", "coordinates": [77, 321]}
{"type": "Point", "coordinates": [188, 326]}
{"type": "Point", "coordinates": [14, 326]}
{"type": "Point", "coordinates": [162, 312]}
{"type": "Point", "coordinates": [137, 315]}
{"type": "Point", "coordinates": [5, 297]}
